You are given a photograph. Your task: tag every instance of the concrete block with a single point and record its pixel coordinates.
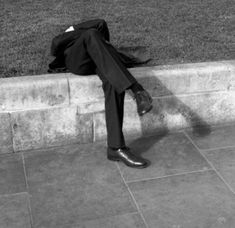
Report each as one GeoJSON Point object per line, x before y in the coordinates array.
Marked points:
{"type": "Point", "coordinates": [179, 112]}
{"type": "Point", "coordinates": [100, 132]}
{"type": "Point", "coordinates": [187, 78]}
{"type": "Point", "coordinates": [6, 134]}
{"type": "Point", "coordinates": [214, 108]}
{"type": "Point", "coordinates": [163, 117]}
{"type": "Point", "coordinates": [91, 107]}
{"type": "Point", "coordinates": [136, 125]}
{"type": "Point", "coordinates": [58, 109]}
{"type": "Point", "coordinates": [33, 92]}
{"type": "Point", "coordinates": [98, 106]}
{"type": "Point", "coordinates": [66, 125]}
{"type": "Point", "coordinates": [50, 127]}
{"type": "Point", "coordinates": [171, 113]}
{"type": "Point", "coordinates": [231, 66]}
{"type": "Point", "coordinates": [133, 125]}
{"type": "Point", "coordinates": [85, 89]}
{"type": "Point", "coordinates": [27, 127]}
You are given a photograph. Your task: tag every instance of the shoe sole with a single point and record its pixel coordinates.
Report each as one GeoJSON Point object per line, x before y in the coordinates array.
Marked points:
{"type": "Point", "coordinates": [120, 160]}
{"type": "Point", "coordinates": [146, 111]}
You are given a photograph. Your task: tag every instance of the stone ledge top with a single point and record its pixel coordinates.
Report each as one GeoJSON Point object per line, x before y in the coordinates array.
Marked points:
{"type": "Point", "coordinates": [59, 90]}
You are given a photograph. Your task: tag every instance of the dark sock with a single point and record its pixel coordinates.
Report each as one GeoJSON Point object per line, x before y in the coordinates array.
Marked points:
{"type": "Point", "coordinates": [136, 87]}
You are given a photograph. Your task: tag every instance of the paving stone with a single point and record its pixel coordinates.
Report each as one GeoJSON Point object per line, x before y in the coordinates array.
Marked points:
{"type": "Point", "coordinates": [120, 221]}
{"type": "Point", "coordinates": [6, 135]}
{"type": "Point", "coordinates": [33, 92]}
{"type": "Point", "coordinates": [220, 136]}
{"type": "Point", "coordinates": [37, 129]}
{"type": "Point", "coordinates": [12, 178]}
{"type": "Point", "coordinates": [14, 211]}
{"type": "Point", "coordinates": [224, 162]}
{"type": "Point", "coordinates": [75, 184]}
{"type": "Point", "coordinates": [168, 153]}
{"type": "Point", "coordinates": [186, 201]}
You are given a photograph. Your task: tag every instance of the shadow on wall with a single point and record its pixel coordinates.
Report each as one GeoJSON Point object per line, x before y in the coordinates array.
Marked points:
{"type": "Point", "coordinates": [167, 110]}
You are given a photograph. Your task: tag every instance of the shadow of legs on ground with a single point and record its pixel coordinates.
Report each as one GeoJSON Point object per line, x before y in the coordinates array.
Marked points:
{"type": "Point", "coordinates": [168, 109]}
{"type": "Point", "coordinates": [169, 113]}
{"type": "Point", "coordinates": [143, 144]}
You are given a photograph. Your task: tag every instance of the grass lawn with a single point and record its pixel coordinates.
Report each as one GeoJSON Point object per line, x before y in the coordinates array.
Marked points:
{"type": "Point", "coordinates": [174, 31]}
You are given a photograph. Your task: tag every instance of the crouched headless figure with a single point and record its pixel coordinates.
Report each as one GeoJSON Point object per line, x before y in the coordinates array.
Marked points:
{"type": "Point", "coordinates": [84, 49]}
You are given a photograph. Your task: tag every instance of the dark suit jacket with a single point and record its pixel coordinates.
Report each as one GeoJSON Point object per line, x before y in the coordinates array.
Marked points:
{"type": "Point", "coordinates": [66, 39]}
{"type": "Point", "coordinates": [62, 41]}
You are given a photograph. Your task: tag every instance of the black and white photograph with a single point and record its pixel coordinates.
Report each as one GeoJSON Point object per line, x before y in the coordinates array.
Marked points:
{"type": "Point", "coordinates": [117, 114]}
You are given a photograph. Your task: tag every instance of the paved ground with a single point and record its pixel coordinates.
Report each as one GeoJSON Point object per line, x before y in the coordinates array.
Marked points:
{"type": "Point", "coordinates": [190, 184]}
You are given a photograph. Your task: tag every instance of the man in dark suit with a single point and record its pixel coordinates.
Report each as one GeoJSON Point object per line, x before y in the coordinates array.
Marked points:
{"type": "Point", "coordinates": [84, 49]}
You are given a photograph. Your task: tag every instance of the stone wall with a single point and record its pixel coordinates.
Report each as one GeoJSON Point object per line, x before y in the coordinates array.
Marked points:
{"type": "Point", "coordinates": [55, 109]}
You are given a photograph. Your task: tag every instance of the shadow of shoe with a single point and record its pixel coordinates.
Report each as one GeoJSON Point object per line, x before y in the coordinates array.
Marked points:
{"type": "Point", "coordinates": [142, 144]}
{"type": "Point", "coordinates": [201, 130]}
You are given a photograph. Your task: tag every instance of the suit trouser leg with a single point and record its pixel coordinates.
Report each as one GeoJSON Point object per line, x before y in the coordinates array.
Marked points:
{"type": "Point", "coordinates": [114, 110]}
{"type": "Point", "coordinates": [103, 55]}
{"type": "Point", "coordinates": [83, 59]}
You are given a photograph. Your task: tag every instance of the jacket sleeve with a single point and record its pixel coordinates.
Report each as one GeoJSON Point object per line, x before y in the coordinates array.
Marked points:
{"type": "Point", "coordinates": [98, 24]}
{"type": "Point", "coordinates": [60, 42]}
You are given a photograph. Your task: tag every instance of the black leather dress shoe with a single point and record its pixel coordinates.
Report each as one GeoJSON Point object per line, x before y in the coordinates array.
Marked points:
{"type": "Point", "coordinates": [127, 157]}
{"type": "Point", "coordinates": [144, 102]}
